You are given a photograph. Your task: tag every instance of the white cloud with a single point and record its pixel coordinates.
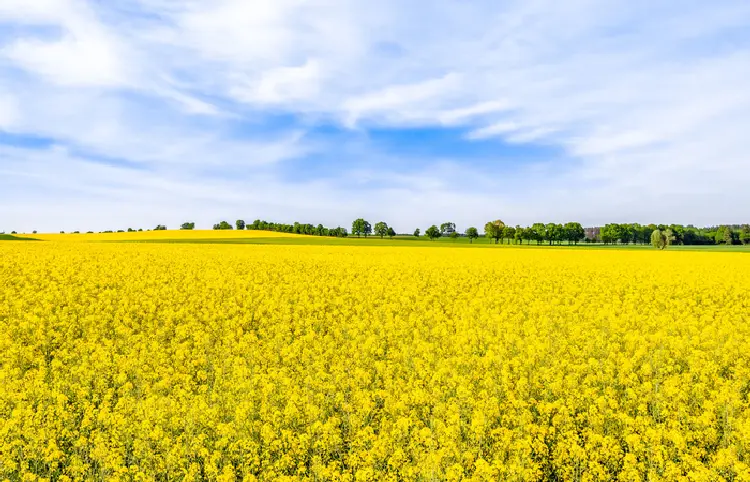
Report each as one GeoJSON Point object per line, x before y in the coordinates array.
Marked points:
{"type": "Point", "coordinates": [644, 105]}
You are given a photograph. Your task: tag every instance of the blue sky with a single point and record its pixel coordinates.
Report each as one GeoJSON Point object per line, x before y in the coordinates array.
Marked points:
{"type": "Point", "coordinates": [144, 112]}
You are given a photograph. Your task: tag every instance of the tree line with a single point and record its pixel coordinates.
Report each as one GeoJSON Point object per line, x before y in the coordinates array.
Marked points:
{"type": "Point", "coordinates": [658, 235]}
{"type": "Point", "coordinates": [261, 225]}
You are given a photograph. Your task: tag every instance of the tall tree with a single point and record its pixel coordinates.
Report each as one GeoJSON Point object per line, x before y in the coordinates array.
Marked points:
{"type": "Point", "coordinates": [416, 233]}
{"type": "Point", "coordinates": [745, 234]}
{"type": "Point", "coordinates": [361, 227]}
{"type": "Point", "coordinates": [391, 232]}
{"type": "Point", "coordinates": [494, 229]}
{"type": "Point", "coordinates": [433, 232]}
{"type": "Point", "coordinates": [658, 240]}
{"type": "Point", "coordinates": [508, 233]}
{"type": "Point", "coordinates": [574, 232]}
{"type": "Point", "coordinates": [472, 233]}
{"type": "Point", "coordinates": [381, 229]}
{"type": "Point", "coordinates": [447, 228]}
{"type": "Point", "coordinates": [540, 232]}
{"type": "Point", "coordinates": [240, 224]}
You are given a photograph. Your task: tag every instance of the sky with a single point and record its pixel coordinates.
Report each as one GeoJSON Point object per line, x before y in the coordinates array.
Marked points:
{"type": "Point", "coordinates": [117, 114]}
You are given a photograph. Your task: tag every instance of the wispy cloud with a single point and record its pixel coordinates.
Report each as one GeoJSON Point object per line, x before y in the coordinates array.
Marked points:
{"type": "Point", "coordinates": [254, 107]}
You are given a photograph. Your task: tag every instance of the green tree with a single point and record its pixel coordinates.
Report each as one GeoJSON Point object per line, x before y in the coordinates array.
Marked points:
{"type": "Point", "coordinates": [454, 236]}
{"type": "Point", "coordinates": [381, 229]}
{"type": "Point", "coordinates": [728, 236]}
{"type": "Point", "coordinates": [518, 235]}
{"type": "Point", "coordinates": [189, 226]}
{"type": "Point", "coordinates": [160, 227]}
{"type": "Point", "coordinates": [550, 233]}
{"type": "Point", "coordinates": [494, 229]}
{"type": "Point", "coordinates": [433, 232]}
{"type": "Point", "coordinates": [539, 231]}
{"type": "Point", "coordinates": [361, 227]}
{"type": "Point", "coordinates": [416, 233]}
{"type": "Point", "coordinates": [658, 240]}
{"type": "Point", "coordinates": [223, 225]}
{"type": "Point", "coordinates": [447, 228]}
{"type": "Point", "coordinates": [391, 233]}
{"type": "Point", "coordinates": [574, 232]}
{"type": "Point", "coordinates": [745, 234]}
{"type": "Point", "coordinates": [240, 224]}
{"type": "Point", "coordinates": [509, 233]}
{"type": "Point", "coordinates": [472, 233]}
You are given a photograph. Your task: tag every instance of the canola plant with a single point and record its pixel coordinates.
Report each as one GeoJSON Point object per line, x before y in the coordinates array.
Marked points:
{"type": "Point", "coordinates": [235, 363]}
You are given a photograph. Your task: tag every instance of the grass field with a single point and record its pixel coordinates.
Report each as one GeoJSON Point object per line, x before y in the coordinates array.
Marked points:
{"type": "Point", "coordinates": [13, 237]}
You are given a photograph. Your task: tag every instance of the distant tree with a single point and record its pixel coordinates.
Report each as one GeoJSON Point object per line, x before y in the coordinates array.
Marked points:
{"type": "Point", "coordinates": [744, 234]}
{"type": "Point", "coordinates": [222, 226]}
{"type": "Point", "coordinates": [518, 235]}
{"type": "Point", "coordinates": [539, 232]}
{"type": "Point", "coordinates": [14, 232]}
{"type": "Point", "coordinates": [189, 226]}
{"type": "Point", "coordinates": [447, 228]}
{"type": "Point", "coordinates": [454, 235]}
{"type": "Point", "coordinates": [574, 232]}
{"type": "Point", "coordinates": [391, 232]}
{"type": "Point", "coordinates": [33, 232]}
{"type": "Point", "coordinates": [240, 224]}
{"type": "Point", "coordinates": [381, 229]}
{"type": "Point", "coordinates": [472, 233]}
{"type": "Point", "coordinates": [160, 227]}
{"type": "Point", "coordinates": [433, 232]}
{"type": "Point", "coordinates": [494, 229]}
{"type": "Point", "coordinates": [728, 236]}
{"type": "Point", "coordinates": [416, 233]}
{"type": "Point", "coordinates": [361, 227]}
{"type": "Point", "coordinates": [660, 239]}
{"type": "Point", "coordinates": [509, 233]}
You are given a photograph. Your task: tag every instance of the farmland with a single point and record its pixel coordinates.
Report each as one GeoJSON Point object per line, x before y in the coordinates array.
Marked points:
{"type": "Point", "coordinates": [275, 361]}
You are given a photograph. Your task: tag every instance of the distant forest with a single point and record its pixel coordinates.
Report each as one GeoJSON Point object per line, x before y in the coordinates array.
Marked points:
{"type": "Point", "coordinates": [499, 232]}
{"type": "Point", "coordinates": [539, 233]}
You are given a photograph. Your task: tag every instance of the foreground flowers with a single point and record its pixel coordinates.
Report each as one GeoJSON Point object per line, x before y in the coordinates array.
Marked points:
{"type": "Point", "coordinates": [194, 362]}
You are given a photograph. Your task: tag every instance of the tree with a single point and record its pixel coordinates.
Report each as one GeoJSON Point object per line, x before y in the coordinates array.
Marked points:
{"type": "Point", "coordinates": [728, 236]}
{"type": "Point", "coordinates": [416, 233]}
{"type": "Point", "coordinates": [494, 229]}
{"type": "Point", "coordinates": [446, 229]}
{"type": "Point", "coordinates": [745, 234]}
{"type": "Point", "coordinates": [658, 240]}
{"type": "Point", "coordinates": [574, 232]}
{"type": "Point", "coordinates": [381, 229]}
{"type": "Point", "coordinates": [508, 233]}
{"type": "Point", "coordinates": [189, 226]}
{"type": "Point", "coordinates": [433, 232]}
{"type": "Point", "coordinates": [519, 234]}
{"type": "Point", "coordinates": [454, 235]}
{"type": "Point", "coordinates": [160, 227]}
{"type": "Point", "coordinates": [391, 232]}
{"type": "Point", "coordinates": [223, 225]}
{"type": "Point", "coordinates": [472, 233]}
{"type": "Point", "coordinates": [240, 224]}
{"type": "Point", "coordinates": [361, 227]}
{"type": "Point", "coordinates": [661, 239]}
{"type": "Point", "coordinates": [539, 231]}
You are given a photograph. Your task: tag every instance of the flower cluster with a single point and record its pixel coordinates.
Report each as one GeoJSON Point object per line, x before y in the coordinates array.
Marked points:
{"type": "Point", "coordinates": [233, 363]}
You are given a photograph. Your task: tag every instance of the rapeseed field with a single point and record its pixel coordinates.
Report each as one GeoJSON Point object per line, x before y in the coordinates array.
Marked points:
{"type": "Point", "coordinates": [234, 363]}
